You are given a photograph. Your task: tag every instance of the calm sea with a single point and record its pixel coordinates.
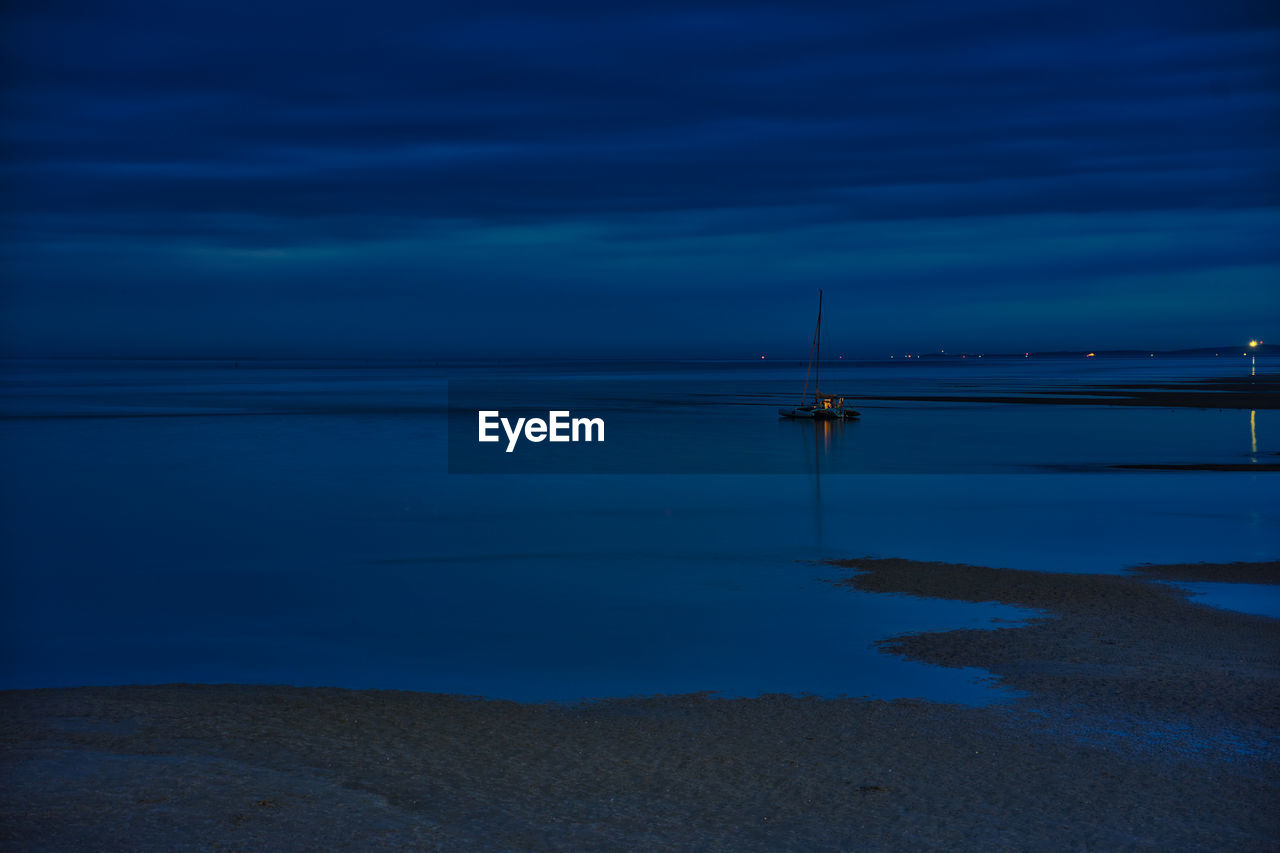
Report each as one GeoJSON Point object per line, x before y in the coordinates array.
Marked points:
{"type": "Point", "coordinates": [298, 523]}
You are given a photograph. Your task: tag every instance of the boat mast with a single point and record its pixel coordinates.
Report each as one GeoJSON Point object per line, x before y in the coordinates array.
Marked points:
{"type": "Point", "coordinates": [813, 349]}
{"type": "Point", "coordinates": [817, 352]}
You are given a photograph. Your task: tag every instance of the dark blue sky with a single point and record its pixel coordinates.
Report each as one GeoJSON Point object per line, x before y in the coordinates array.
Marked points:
{"type": "Point", "coordinates": [294, 179]}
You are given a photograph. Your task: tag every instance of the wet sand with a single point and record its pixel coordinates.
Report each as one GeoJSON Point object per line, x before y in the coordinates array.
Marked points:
{"type": "Point", "coordinates": [1250, 392]}
{"type": "Point", "coordinates": [1147, 722]}
{"type": "Point", "coordinates": [1204, 466]}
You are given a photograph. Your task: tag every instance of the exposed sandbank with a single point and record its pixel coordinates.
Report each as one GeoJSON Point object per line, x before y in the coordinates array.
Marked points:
{"type": "Point", "coordinates": [1149, 724]}
{"type": "Point", "coordinates": [1268, 573]}
{"type": "Point", "coordinates": [1205, 466]}
{"type": "Point", "coordinates": [1108, 644]}
{"type": "Point", "coordinates": [1249, 392]}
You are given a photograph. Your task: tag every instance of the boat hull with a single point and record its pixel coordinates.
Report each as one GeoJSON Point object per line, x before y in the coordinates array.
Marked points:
{"type": "Point", "coordinates": [820, 414]}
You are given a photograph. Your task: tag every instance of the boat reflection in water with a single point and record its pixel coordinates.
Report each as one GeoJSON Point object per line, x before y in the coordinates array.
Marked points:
{"type": "Point", "coordinates": [823, 446]}
{"type": "Point", "coordinates": [827, 434]}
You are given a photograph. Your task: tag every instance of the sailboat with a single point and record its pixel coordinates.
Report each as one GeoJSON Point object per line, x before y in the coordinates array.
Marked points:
{"type": "Point", "coordinates": [824, 406]}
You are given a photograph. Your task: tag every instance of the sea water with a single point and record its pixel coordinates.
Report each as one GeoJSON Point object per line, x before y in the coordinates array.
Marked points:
{"type": "Point", "coordinates": [298, 523]}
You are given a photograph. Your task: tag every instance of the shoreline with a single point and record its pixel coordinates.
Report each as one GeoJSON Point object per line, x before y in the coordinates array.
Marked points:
{"type": "Point", "coordinates": [1148, 722]}
{"type": "Point", "coordinates": [1107, 644]}
{"type": "Point", "coordinates": [1250, 392]}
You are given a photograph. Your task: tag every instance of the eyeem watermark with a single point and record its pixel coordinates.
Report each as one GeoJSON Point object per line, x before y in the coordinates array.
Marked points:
{"type": "Point", "coordinates": [559, 426]}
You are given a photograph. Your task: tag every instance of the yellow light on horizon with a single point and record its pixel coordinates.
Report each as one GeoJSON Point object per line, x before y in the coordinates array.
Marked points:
{"type": "Point", "coordinates": [1253, 343]}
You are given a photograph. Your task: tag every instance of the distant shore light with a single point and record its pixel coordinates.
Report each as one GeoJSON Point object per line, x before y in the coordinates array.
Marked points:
{"type": "Point", "coordinates": [1253, 343]}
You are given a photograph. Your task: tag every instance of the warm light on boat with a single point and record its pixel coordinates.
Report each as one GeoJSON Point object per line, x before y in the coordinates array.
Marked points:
{"type": "Point", "coordinates": [1253, 343]}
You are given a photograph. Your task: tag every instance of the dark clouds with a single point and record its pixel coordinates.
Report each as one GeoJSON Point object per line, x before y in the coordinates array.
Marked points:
{"type": "Point", "coordinates": [579, 158]}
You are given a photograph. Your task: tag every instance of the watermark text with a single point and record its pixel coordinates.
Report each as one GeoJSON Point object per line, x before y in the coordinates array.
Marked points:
{"type": "Point", "coordinates": [558, 426]}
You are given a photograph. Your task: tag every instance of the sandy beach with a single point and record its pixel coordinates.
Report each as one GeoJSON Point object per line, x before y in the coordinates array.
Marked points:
{"type": "Point", "coordinates": [1145, 722]}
